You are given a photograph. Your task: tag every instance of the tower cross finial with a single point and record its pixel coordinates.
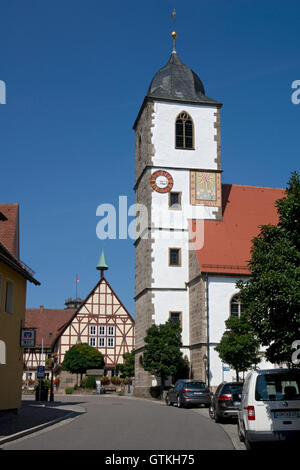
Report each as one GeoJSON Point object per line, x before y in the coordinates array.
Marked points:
{"type": "Point", "coordinates": [174, 15]}
{"type": "Point", "coordinates": [174, 34]}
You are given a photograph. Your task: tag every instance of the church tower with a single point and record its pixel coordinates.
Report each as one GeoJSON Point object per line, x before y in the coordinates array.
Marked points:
{"type": "Point", "coordinates": [177, 181]}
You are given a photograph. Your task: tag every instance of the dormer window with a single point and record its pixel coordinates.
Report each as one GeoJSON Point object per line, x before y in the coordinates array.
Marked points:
{"type": "Point", "coordinates": [184, 131]}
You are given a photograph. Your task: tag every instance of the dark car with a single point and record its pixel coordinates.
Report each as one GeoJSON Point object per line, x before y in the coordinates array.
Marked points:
{"type": "Point", "coordinates": [226, 401]}
{"type": "Point", "coordinates": [188, 392]}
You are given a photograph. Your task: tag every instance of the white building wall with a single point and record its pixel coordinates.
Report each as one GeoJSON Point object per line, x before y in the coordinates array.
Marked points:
{"type": "Point", "coordinates": [163, 132]}
{"type": "Point", "coordinates": [178, 163]}
{"type": "Point", "coordinates": [221, 290]}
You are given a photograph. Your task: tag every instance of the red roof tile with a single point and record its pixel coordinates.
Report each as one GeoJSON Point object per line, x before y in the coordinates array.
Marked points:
{"type": "Point", "coordinates": [47, 322]}
{"type": "Point", "coordinates": [227, 243]}
{"type": "Point", "coordinates": [9, 229]}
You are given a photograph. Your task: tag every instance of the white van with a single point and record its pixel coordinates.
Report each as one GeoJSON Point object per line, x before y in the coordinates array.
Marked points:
{"type": "Point", "coordinates": [270, 407]}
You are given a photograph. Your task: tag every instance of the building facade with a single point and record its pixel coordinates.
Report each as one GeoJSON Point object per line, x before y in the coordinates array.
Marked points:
{"type": "Point", "coordinates": [178, 180]}
{"type": "Point", "coordinates": [100, 320]}
{"type": "Point", "coordinates": [13, 278]}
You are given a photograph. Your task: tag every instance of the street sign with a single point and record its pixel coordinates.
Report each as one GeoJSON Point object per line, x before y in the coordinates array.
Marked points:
{"type": "Point", "coordinates": [27, 338]}
{"type": "Point", "coordinates": [226, 368]}
{"type": "Point", "coordinates": [40, 372]}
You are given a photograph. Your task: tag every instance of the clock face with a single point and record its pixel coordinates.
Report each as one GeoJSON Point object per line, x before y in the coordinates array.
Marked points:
{"type": "Point", "coordinates": [161, 181]}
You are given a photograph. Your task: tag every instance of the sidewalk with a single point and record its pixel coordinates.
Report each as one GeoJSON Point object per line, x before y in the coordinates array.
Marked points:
{"type": "Point", "coordinates": [34, 416]}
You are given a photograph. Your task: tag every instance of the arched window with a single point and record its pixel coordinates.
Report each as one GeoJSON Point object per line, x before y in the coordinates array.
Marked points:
{"type": "Point", "coordinates": [236, 306]}
{"type": "Point", "coordinates": [184, 131]}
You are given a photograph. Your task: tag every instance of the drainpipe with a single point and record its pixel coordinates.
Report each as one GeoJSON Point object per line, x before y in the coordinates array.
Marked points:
{"type": "Point", "coordinates": [207, 332]}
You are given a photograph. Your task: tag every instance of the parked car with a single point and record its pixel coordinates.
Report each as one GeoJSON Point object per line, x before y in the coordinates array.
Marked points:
{"type": "Point", "coordinates": [270, 407]}
{"type": "Point", "coordinates": [188, 392]}
{"type": "Point", "coordinates": [226, 401]}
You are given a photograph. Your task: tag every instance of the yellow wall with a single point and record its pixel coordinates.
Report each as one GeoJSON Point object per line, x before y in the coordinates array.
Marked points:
{"type": "Point", "coordinates": [10, 325]}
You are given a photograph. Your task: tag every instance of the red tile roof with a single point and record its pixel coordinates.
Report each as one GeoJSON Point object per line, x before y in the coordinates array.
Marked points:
{"type": "Point", "coordinates": [227, 243]}
{"type": "Point", "coordinates": [9, 229]}
{"type": "Point", "coordinates": [47, 322]}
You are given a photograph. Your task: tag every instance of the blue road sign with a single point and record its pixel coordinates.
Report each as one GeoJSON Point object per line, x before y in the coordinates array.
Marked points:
{"type": "Point", "coordinates": [40, 372]}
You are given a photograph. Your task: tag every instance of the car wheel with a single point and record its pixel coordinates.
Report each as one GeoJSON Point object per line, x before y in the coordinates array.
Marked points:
{"type": "Point", "coordinates": [241, 437]}
{"type": "Point", "coordinates": [218, 418]}
{"type": "Point", "coordinates": [168, 403]}
{"type": "Point", "coordinates": [211, 412]}
{"type": "Point", "coordinates": [250, 445]}
{"type": "Point", "coordinates": [179, 404]}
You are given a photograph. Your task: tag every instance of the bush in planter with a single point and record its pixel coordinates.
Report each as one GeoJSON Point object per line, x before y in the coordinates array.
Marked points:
{"type": "Point", "coordinates": [105, 381]}
{"type": "Point", "coordinates": [115, 381]}
{"type": "Point", "coordinates": [69, 390]}
{"type": "Point", "coordinates": [90, 382]}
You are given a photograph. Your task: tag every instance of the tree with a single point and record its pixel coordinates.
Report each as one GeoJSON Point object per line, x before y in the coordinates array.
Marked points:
{"type": "Point", "coordinates": [127, 369]}
{"type": "Point", "coordinates": [162, 355]}
{"type": "Point", "coordinates": [271, 297]}
{"type": "Point", "coordinates": [82, 357]}
{"type": "Point", "coordinates": [239, 346]}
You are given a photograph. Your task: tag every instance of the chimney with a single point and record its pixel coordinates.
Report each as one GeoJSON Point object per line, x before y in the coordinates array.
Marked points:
{"type": "Point", "coordinates": [41, 308]}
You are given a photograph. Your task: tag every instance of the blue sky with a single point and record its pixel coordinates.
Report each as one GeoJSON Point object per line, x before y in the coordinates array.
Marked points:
{"type": "Point", "coordinates": [76, 73]}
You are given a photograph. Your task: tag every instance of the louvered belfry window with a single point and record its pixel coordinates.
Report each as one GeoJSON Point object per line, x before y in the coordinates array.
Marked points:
{"type": "Point", "coordinates": [184, 131]}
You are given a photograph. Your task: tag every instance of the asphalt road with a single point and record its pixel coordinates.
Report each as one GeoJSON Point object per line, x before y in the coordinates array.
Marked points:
{"type": "Point", "coordinates": [127, 423]}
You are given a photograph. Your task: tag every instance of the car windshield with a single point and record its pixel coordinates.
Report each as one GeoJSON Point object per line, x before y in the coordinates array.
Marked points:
{"type": "Point", "coordinates": [195, 385]}
{"type": "Point", "coordinates": [233, 389]}
{"type": "Point", "coordinates": [276, 387]}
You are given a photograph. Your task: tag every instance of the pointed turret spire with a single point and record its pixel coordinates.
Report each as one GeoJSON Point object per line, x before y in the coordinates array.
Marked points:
{"type": "Point", "coordinates": [102, 266]}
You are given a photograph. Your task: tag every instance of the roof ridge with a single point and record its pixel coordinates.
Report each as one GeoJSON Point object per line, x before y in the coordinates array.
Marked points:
{"type": "Point", "coordinates": [250, 186]}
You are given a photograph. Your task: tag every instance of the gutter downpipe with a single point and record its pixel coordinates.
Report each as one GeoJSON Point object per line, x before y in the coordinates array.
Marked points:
{"type": "Point", "coordinates": [207, 332]}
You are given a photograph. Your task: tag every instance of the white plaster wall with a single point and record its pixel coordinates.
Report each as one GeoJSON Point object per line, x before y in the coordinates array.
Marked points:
{"type": "Point", "coordinates": [163, 132]}
{"type": "Point", "coordinates": [165, 276]}
{"type": "Point", "coordinates": [221, 290]}
{"type": "Point", "coordinates": [172, 301]}
{"type": "Point", "coordinates": [163, 216]}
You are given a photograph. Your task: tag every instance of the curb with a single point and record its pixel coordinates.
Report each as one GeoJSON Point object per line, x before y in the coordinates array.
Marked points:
{"type": "Point", "coordinates": [40, 427]}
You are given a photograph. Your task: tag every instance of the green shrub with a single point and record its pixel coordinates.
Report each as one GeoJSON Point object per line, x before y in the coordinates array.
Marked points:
{"type": "Point", "coordinates": [90, 382]}
{"type": "Point", "coordinates": [69, 390]}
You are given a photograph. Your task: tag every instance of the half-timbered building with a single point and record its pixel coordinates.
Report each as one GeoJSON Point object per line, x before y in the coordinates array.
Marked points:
{"type": "Point", "coordinates": [101, 320]}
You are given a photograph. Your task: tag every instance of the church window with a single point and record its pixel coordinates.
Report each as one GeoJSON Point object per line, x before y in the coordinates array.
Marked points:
{"type": "Point", "coordinates": [174, 200]}
{"type": "Point", "coordinates": [139, 147]}
{"type": "Point", "coordinates": [174, 257]}
{"type": "Point", "coordinates": [236, 306]}
{"type": "Point", "coordinates": [184, 130]}
{"type": "Point", "coordinates": [175, 317]}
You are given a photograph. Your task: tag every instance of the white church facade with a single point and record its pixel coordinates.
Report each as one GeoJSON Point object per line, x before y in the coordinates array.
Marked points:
{"type": "Point", "coordinates": [197, 239]}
